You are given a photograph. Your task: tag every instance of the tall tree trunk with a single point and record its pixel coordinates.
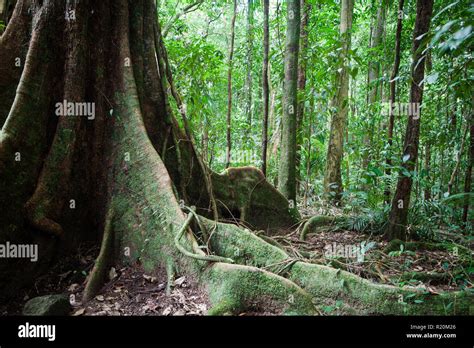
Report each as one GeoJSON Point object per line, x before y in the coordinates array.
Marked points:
{"type": "Point", "coordinates": [458, 160]}
{"type": "Point", "coordinates": [229, 86]}
{"type": "Point", "coordinates": [308, 150]}
{"type": "Point", "coordinates": [427, 167]}
{"type": "Point", "coordinates": [305, 14]}
{"type": "Point", "coordinates": [398, 217]}
{"type": "Point", "coordinates": [332, 177]}
{"type": "Point", "coordinates": [393, 86]}
{"type": "Point", "coordinates": [287, 166]}
{"type": "Point", "coordinates": [468, 176]}
{"type": "Point", "coordinates": [265, 84]}
{"type": "Point", "coordinates": [248, 83]}
{"type": "Point", "coordinates": [205, 141]}
{"type": "Point", "coordinates": [373, 75]}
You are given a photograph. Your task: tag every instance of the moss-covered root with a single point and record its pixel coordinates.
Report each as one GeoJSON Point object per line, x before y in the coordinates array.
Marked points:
{"type": "Point", "coordinates": [365, 297]}
{"type": "Point", "coordinates": [327, 284]}
{"type": "Point", "coordinates": [311, 226]}
{"type": "Point", "coordinates": [97, 276]}
{"type": "Point", "coordinates": [236, 288]}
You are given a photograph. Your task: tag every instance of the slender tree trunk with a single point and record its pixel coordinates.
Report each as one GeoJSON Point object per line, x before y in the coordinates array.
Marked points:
{"type": "Point", "coordinates": [458, 160]}
{"type": "Point", "coordinates": [468, 177]}
{"type": "Point", "coordinates": [401, 201]}
{"type": "Point", "coordinates": [248, 83]}
{"type": "Point", "coordinates": [265, 84]}
{"type": "Point", "coordinates": [427, 167]}
{"type": "Point", "coordinates": [373, 75]}
{"type": "Point", "coordinates": [229, 86]}
{"type": "Point", "coordinates": [205, 141]}
{"type": "Point", "coordinates": [287, 166]}
{"type": "Point", "coordinates": [393, 86]}
{"type": "Point", "coordinates": [332, 177]}
{"type": "Point", "coordinates": [305, 13]}
{"type": "Point", "coordinates": [308, 150]}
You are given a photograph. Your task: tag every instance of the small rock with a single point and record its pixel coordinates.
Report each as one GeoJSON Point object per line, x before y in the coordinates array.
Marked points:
{"type": "Point", "coordinates": [48, 305]}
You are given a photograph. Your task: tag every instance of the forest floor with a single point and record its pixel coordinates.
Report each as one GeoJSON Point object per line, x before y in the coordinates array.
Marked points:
{"type": "Point", "coordinates": [131, 291]}
{"type": "Point", "coordinates": [378, 265]}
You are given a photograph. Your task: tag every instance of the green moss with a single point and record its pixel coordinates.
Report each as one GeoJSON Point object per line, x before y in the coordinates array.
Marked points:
{"type": "Point", "coordinates": [234, 288]}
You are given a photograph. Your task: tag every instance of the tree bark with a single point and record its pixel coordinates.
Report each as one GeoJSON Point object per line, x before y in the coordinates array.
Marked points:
{"type": "Point", "coordinates": [287, 165]}
{"type": "Point", "coordinates": [398, 217]}
{"type": "Point", "coordinates": [332, 177]}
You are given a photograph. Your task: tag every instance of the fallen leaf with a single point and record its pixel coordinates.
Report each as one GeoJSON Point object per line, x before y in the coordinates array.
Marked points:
{"type": "Point", "coordinates": [149, 278]}
{"type": "Point", "coordinates": [79, 312]}
{"type": "Point", "coordinates": [167, 310]}
{"type": "Point", "coordinates": [112, 273]}
{"type": "Point", "coordinates": [73, 287]}
{"type": "Point", "coordinates": [432, 290]}
{"type": "Point", "coordinates": [180, 280]}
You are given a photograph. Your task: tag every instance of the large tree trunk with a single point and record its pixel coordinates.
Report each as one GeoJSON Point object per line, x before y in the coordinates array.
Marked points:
{"type": "Point", "coordinates": [287, 165]}
{"type": "Point", "coordinates": [398, 218]}
{"type": "Point", "coordinates": [120, 173]}
{"type": "Point", "coordinates": [332, 177]}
